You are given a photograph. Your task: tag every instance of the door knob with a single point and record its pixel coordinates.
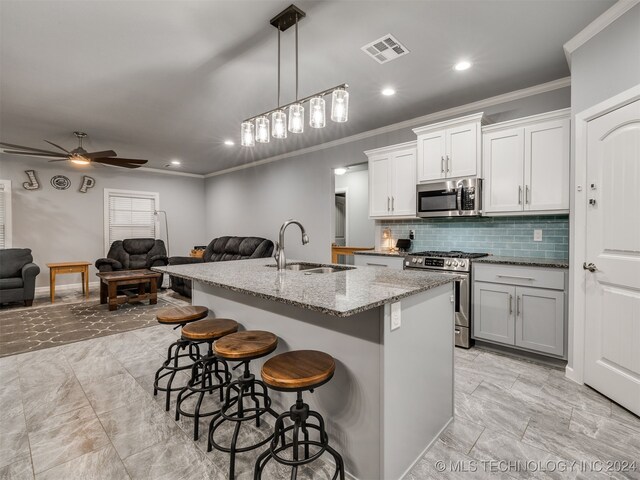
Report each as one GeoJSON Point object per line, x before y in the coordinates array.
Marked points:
{"type": "Point", "coordinates": [591, 267]}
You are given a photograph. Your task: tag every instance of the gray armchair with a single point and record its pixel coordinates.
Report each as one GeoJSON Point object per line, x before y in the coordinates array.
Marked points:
{"type": "Point", "coordinates": [220, 250]}
{"type": "Point", "coordinates": [17, 276]}
{"type": "Point", "coordinates": [134, 254]}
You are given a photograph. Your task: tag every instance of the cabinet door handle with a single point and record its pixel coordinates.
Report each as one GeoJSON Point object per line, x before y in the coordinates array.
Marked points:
{"type": "Point", "coordinates": [519, 194]}
{"type": "Point", "coordinates": [442, 164]}
{"type": "Point", "coordinates": [388, 200]}
{"type": "Point", "coordinates": [448, 164]}
{"type": "Point", "coordinates": [510, 304]}
{"type": "Point", "coordinates": [516, 277]}
{"type": "Point", "coordinates": [518, 306]}
{"type": "Point", "coordinates": [393, 201]}
{"type": "Point", "coordinates": [526, 195]}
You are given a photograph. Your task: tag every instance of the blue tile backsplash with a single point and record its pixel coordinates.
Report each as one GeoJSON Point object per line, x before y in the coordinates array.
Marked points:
{"type": "Point", "coordinates": [506, 236]}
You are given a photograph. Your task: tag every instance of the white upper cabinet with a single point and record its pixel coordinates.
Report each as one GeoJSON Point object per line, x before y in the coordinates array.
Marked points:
{"type": "Point", "coordinates": [392, 181]}
{"type": "Point", "coordinates": [503, 160]}
{"type": "Point", "coordinates": [526, 165]}
{"type": "Point", "coordinates": [449, 149]}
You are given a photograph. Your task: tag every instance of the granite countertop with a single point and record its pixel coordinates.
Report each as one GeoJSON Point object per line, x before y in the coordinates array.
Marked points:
{"type": "Point", "coordinates": [524, 261]}
{"type": "Point", "coordinates": [340, 294]}
{"type": "Point", "coordinates": [384, 253]}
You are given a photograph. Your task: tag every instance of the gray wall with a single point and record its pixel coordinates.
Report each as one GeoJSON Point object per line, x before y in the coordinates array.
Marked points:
{"type": "Point", "coordinates": [257, 200]}
{"type": "Point", "coordinates": [360, 230]}
{"type": "Point", "coordinates": [607, 64]}
{"type": "Point", "coordinates": [68, 225]}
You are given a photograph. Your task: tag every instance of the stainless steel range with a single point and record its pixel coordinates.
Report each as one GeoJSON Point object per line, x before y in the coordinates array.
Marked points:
{"type": "Point", "coordinates": [458, 263]}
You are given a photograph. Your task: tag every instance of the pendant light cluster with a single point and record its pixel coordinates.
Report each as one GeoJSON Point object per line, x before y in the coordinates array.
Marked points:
{"type": "Point", "coordinates": [273, 123]}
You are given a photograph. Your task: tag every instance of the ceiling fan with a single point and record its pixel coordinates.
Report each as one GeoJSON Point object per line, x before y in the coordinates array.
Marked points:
{"type": "Point", "coordinates": [78, 155]}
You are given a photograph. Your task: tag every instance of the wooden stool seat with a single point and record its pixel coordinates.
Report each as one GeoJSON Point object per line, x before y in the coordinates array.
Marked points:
{"type": "Point", "coordinates": [209, 329]}
{"type": "Point", "coordinates": [298, 370]}
{"type": "Point", "coordinates": [180, 315]}
{"type": "Point", "coordinates": [246, 345]}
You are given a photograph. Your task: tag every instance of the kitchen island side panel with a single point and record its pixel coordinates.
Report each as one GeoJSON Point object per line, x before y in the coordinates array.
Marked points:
{"type": "Point", "coordinates": [351, 401]}
{"type": "Point", "coordinates": [417, 370]}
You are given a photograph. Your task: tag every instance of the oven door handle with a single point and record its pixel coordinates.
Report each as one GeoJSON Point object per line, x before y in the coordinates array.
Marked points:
{"type": "Point", "coordinates": [459, 200]}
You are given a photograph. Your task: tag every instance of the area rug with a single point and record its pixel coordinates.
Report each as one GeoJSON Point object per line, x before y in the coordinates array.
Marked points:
{"type": "Point", "coordinates": [30, 329]}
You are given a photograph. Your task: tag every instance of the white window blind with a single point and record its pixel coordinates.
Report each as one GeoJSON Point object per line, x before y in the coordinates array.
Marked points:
{"type": "Point", "coordinates": [5, 213]}
{"type": "Point", "coordinates": [129, 214]}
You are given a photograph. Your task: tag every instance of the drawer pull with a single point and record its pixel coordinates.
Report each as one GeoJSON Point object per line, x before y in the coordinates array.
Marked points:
{"type": "Point", "coordinates": [516, 277]}
{"type": "Point", "coordinates": [457, 330]}
{"type": "Point", "coordinates": [377, 264]}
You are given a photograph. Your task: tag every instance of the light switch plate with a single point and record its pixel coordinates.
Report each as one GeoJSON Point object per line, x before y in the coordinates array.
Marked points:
{"type": "Point", "coordinates": [396, 316]}
{"type": "Point", "coordinates": [537, 235]}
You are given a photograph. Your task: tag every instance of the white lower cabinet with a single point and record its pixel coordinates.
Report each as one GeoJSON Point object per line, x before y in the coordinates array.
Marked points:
{"type": "Point", "coordinates": [507, 312]}
{"type": "Point", "coordinates": [364, 260]}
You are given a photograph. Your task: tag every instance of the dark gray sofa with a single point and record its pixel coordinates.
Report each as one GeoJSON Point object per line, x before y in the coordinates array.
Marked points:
{"type": "Point", "coordinates": [222, 249]}
{"type": "Point", "coordinates": [134, 254]}
{"type": "Point", "coordinates": [17, 276]}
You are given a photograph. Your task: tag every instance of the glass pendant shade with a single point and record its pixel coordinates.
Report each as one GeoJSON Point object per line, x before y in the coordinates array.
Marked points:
{"type": "Point", "coordinates": [316, 115]}
{"type": "Point", "coordinates": [339, 105]}
{"type": "Point", "coordinates": [262, 130]}
{"type": "Point", "coordinates": [296, 118]}
{"type": "Point", "coordinates": [279, 124]}
{"type": "Point", "coordinates": [247, 137]}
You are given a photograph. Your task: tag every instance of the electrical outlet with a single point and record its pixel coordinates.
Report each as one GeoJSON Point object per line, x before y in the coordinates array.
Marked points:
{"type": "Point", "coordinates": [396, 317]}
{"type": "Point", "coordinates": [537, 235]}
{"type": "Point", "coordinates": [412, 234]}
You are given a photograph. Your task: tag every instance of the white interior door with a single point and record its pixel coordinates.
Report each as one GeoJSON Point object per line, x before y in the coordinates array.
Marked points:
{"type": "Point", "coordinates": [612, 323]}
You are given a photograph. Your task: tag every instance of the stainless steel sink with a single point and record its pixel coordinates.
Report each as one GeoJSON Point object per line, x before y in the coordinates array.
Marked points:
{"type": "Point", "coordinates": [309, 268]}
{"type": "Point", "coordinates": [324, 270]}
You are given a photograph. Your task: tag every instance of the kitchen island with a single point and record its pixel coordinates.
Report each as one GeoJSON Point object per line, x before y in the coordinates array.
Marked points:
{"type": "Point", "coordinates": [392, 392]}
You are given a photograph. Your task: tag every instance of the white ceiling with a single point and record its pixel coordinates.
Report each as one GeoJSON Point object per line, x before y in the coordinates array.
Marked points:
{"type": "Point", "coordinates": [173, 79]}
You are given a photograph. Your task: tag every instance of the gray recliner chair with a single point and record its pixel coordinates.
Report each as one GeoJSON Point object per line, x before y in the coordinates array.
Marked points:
{"type": "Point", "coordinates": [17, 276]}
{"type": "Point", "coordinates": [222, 249]}
{"type": "Point", "coordinates": [134, 254]}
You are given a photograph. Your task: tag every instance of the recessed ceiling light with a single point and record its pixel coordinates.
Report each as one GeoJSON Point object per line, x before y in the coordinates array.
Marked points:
{"type": "Point", "coordinates": [175, 162]}
{"type": "Point", "coordinates": [340, 171]}
{"type": "Point", "coordinates": [229, 143]}
{"type": "Point", "coordinates": [387, 92]}
{"type": "Point", "coordinates": [462, 65]}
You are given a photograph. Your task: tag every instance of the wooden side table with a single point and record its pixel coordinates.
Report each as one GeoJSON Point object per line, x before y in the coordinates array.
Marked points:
{"type": "Point", "coordinates": [68, 267]}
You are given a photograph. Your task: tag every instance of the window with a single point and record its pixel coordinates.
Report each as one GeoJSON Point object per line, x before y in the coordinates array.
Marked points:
{"type": "Point", "coordinates": [5, 213]}
{"type": "Point", "coordinates": [129, 214]}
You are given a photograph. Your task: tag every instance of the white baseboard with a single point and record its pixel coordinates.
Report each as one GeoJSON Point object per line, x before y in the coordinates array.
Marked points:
{"type": "Point", "coordinates": [571, 375]}
{"type": "Point", "coordinates": [65, 287]}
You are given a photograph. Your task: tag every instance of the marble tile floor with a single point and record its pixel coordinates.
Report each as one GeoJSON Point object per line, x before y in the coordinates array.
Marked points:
{"type": "Point", "coordinates": [86, 411]}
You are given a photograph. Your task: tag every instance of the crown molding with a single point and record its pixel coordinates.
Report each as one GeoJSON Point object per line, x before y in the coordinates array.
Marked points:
{"type": "Point", "coordinates": [599, 24]}
{"type": "Point", "coordinates": [532, 119]}
{"type": "Point", "coordinates": [393, 148]}
{"type": "Point", "coordinates": [476, 117]}
{"type": "Point", "coordinates": [432, 117]}
{"type": "Point", "coordinates": [170, 172]}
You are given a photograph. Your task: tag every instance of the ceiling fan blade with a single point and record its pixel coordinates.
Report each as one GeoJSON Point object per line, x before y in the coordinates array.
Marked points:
{"type": "Point", "coordinates": [125, 160]}
{"type": "Point", "coordinates": [105, 153]}
{"type": "Point", "coordinates": [37, 154]}
{"type": "Point", "coordinates": [57, 146]}
{"type": "Point", "coordinates": [22, 147]}
{"type": "Point", "coordinates": [114, 163]}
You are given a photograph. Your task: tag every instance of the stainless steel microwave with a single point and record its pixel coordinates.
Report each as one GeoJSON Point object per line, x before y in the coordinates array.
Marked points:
{"type": "Point", "coordinates": [450, 198]}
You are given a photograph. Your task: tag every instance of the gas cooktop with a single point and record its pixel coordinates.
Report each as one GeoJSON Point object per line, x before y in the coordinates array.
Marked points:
{"type": "Point", "coordinates": [455, 261]}
{"type": "Point", "coordinates": [451, 254]}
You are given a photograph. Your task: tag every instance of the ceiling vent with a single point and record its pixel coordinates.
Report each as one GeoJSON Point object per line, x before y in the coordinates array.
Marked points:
{"type": "Point", "coordinates": [385, 49]}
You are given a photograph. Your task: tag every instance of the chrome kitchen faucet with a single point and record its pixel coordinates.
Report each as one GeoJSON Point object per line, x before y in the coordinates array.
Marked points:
{"type": "Point", "coordinates": [279, 255]}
